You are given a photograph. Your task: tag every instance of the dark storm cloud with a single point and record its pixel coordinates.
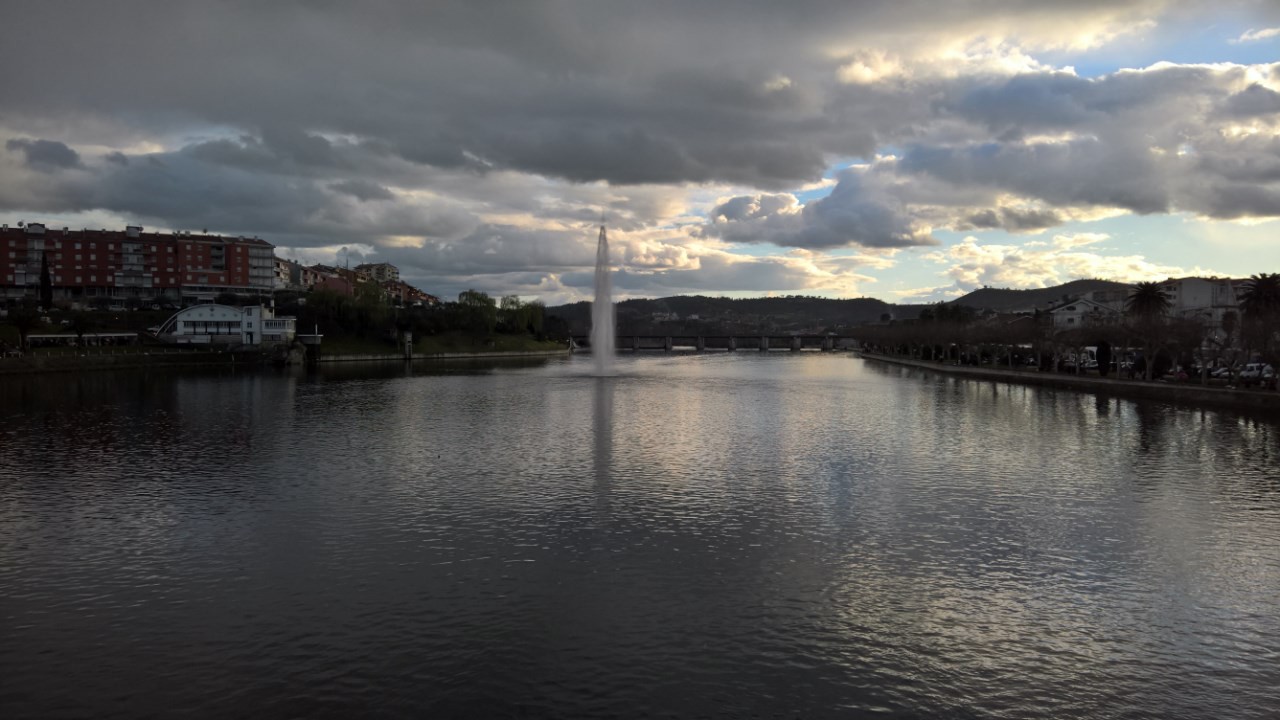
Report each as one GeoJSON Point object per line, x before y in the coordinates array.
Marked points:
{"type": "Point", "coordinates": [651, 92]}
{"type": "Point", "coordinates": [1241, 200]}
{"type": "Point", "coordinates": [1252, 160]}
{"type": "Point", "coordinates": [491, 248]}
{"type": "Point", "coordinates": [1084, 172]}
{"type": "Point", "coordinates": [1253, 101]}
{"type": "Point", "coordinates": [751, 207]}
{"type": "Point", "coordinates": [363, 190]}
{"type": "Point", "coordinates": [715, 273]}
{"type": "Point", "coordinates": [317, 124]}
{"type": "Point", "coordinates": [1011, 219]}
{"type": "Point", "coordinates": [44, 155]}
{"type": "Point", "coordinates": [855, 213]}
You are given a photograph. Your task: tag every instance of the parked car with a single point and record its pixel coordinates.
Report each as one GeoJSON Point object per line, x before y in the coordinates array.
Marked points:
{"type": "Point", "coordinates": [1251, 371]}
{"type": "Point", "coordinates": [1261, 373]}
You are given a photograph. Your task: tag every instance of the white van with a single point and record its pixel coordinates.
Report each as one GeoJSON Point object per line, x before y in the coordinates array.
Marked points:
{"type": "Point", "coordinates": [1257, 371]}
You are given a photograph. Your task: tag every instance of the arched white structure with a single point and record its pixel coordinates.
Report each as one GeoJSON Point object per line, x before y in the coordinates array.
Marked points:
{"type": "Point", "coordinates": [226, 325]}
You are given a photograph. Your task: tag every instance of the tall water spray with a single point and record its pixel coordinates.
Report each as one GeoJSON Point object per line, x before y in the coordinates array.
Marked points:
{"type": "Point", "coordinates": [602, 331]}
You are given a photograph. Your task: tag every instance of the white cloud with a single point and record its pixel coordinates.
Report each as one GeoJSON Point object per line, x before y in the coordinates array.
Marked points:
{"type": "Point", "coordinates": [972, 264]}
{"type": "Point", "coordinates": [1252, 35]}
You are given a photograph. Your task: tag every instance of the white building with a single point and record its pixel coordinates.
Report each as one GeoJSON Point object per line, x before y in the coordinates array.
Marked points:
{"type": "Point", "coordinates": [1205, 299]}
{"type": "Point", "coordinates": [225, 325]}
{"type": "Point", "coordinates": [1082, 313]}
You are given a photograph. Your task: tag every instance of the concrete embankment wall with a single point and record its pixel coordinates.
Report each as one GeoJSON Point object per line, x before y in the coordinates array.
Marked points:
{"type": "Point", "coordinates": [442, 356]}
{"type": "Point", "coordinates": [94, 361]}
{"type": "Point", "coordinates": [169, 358]}
{"type": "Point", "coordinates": [1183, 393]}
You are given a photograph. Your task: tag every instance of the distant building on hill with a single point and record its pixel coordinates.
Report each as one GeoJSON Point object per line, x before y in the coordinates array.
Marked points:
{"type": "Point", "coordinates": [379, 272]}
{"type": "Point", "coordinates": [336, 284]}
{"type": "Point", "coordinates": [293, 275]}
{"type": "Point", "coordinates": [1082, 312]}
{"type": "Point", "coordinates": [1207, 300]}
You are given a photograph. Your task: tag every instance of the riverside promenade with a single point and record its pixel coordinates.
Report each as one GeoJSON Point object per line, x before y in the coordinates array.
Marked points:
{"type": "Point", "coordinates": [1185, 393]}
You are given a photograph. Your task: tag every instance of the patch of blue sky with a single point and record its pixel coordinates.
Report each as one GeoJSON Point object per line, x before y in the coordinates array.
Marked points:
{"type": "Point", "coordinates": [759, 250]}
{"type": "Point", "coordinates": [1185, 41]}
{"type": "Point", "coordinates": [1188, 242]}
{"type": "Point", "coordinates": [806, 196]}
{"type": "Point", "coordinates": [1176, 240]}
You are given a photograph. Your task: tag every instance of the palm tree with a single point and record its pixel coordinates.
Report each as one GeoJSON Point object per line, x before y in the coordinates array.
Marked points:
{"type": "Point", "coordinates": [1147, 301]}
{"type": "Point", "coordinates": [1260, 304]}
{"type": "Point", "coordinates": [1147, 305]}
{"type": "Point", "coordinates": [1261, 294]}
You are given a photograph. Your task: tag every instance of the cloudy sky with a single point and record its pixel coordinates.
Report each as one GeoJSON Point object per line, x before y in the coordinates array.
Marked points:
{"type": "Point", "coordinates": [899, 149]}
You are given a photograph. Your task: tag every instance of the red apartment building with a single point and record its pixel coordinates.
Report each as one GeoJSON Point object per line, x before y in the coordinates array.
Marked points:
{"type": "Point", "coordinates": [182, 267]}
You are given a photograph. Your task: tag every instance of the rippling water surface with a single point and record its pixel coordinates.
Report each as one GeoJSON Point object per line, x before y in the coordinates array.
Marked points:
{"type": "Point", "coordinates": [749, 535]}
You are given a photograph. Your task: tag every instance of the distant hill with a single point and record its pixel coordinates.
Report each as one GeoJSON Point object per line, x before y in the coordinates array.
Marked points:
{"type": "Point", "coordinates": [697, 314]}
{"type": "Point", "coordinates": [1002, 300]}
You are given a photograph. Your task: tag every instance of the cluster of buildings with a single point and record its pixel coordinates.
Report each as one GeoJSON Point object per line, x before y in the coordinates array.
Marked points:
{"type": "Point", "coordinates": [174, 268]}
{"type": "Point", "coordinates": [290, 275]}
{"type": "Point", "coordinates": [1207, 300]}
{"type": "Point", "coordinates": [180, 269]}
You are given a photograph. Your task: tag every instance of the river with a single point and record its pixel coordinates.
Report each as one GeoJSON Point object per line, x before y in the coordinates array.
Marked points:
{"type": "Point", "coordinates": [797, 535]}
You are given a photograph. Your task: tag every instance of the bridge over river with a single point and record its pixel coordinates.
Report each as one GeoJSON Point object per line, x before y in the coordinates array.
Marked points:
{"type": "Point", "coordinates": [730, 343]}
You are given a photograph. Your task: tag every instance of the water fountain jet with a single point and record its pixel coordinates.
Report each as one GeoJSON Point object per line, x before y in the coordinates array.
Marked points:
{"type": "Point", "coordinates": [602, 317]}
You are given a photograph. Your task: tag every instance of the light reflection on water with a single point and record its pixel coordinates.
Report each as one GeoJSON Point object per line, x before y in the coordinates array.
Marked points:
{"type": "Point", "coordinates": [792, 535]}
